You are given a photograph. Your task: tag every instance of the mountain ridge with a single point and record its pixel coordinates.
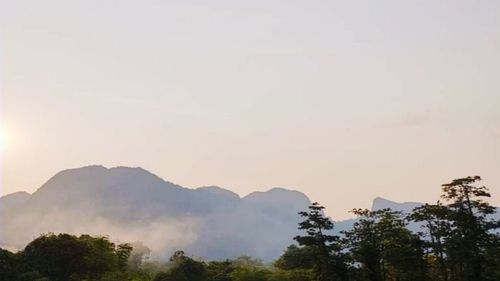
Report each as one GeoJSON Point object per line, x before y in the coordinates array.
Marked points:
{"type": "Point", "coordinates": [134, 204]}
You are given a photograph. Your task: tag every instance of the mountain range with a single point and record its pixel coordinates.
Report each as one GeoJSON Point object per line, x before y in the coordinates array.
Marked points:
{"type": "Point", "coordinates": [132, 204]}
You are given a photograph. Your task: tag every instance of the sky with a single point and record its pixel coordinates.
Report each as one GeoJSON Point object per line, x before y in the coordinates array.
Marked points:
{"type": "Point", "coordinates": [342, 100]}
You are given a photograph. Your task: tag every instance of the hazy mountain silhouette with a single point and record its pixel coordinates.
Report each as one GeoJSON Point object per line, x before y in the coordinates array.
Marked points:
{"type": "Point", "coordinates": [132, 204]}
{"type": "Point", "coordinates": [379, 204]}
{"type": "Point", "coordinates": [405, 208]}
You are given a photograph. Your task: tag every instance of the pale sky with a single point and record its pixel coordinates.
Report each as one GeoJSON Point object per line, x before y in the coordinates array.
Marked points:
{"type": "Point", "coordinates": [343, 100]}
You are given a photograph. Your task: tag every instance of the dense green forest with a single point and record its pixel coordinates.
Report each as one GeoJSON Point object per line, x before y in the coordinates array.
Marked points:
{"type": "Point", "coordinates": [458, 241]}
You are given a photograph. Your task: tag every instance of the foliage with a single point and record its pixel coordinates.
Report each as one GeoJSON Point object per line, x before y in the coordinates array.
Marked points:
{"type": "Point", "coordinates": [183, 269]}
{"type": "Point", "coordinates": [7, 265]}
{"type": "Point", "coordinates": [462, 234]}
{"type": "Point", "coordinates": [384, 247]}
{"type": "Point", "coordinates": [325, 256]}
{"type": "Point", "coordinates": [66, 257]}
{"type": "Point", "coordinates": [139, 254]}
{"type": "Point", "coordinates": [296, 258]}
{"type": "Point", "coordinates": [249, 274]}
{"type": "Point", "coordinates": [220, 271]}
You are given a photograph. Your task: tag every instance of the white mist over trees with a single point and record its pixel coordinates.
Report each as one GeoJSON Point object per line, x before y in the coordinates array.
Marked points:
{"type": "Point", "coordinates": [132, 204]}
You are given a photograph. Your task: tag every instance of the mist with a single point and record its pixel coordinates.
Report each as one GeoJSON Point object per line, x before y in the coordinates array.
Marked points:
{"type": "Point", "coordinates": [132, 204]}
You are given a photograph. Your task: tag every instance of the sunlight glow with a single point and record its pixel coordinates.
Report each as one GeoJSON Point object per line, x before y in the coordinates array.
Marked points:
{"type": "Point", "coordinates": [3, 140]}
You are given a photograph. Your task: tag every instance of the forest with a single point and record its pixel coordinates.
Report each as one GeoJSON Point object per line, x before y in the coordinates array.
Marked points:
{"type": "Point", "coordinates": [458, 240]}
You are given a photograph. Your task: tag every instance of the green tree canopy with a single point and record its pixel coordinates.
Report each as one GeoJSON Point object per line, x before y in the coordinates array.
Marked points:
{"type": "Point", "coordinates": [384, 247]}
{"type": "Point", "coordinates": [67, 257]}
{"type": "Point", "coordinates": [328, 259]}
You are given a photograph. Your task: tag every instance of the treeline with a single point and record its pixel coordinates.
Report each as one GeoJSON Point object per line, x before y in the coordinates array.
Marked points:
{"type": "Point", "coordinates": [458, 241]}
{"type": "Point", "coordinates": [65, 257]}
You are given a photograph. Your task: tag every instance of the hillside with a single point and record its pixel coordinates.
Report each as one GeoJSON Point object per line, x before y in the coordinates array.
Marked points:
{"type": "Point", "coordinates": [132, 204]}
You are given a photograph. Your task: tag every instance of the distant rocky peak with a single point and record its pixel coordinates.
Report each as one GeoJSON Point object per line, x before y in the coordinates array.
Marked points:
{"type": "Point", "coordinates": [380, 203]}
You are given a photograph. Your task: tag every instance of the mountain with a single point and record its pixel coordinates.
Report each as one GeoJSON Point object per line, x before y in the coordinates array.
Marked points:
{"type": "Point", "coordinates": [378, 204]}
{"type": "Point", "coordinates": [12, 201]}
{"type": "Point", "coordinates": [406, 207]}
{"type": "Point", "coordinates": [132, 204]}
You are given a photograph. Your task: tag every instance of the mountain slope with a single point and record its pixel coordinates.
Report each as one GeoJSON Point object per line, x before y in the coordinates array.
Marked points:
{"type": "Point", "coordinates": [132, 204]}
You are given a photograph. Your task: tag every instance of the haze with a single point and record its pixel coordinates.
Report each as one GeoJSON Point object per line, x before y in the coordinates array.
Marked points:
{"type": "Point", "coordinates": [342, 100]}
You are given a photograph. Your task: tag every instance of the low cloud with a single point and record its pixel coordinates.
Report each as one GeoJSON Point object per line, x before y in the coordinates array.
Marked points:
{"type": "Point", "coordinates": [162, 235]}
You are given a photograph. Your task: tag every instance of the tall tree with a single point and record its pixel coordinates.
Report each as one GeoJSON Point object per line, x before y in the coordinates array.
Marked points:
{"type": "Point", "coordinates": [472, 228]}
{"type": "Point", "coordinates": [329, 261]}
{"type": "Point", "coordinates": [385, 249]}
{"type": "Point", "coordinates": [436, 230]}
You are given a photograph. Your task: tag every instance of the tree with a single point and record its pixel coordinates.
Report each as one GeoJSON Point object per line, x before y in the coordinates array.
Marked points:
{"type": "Point", "coordinates": [250, 274]}
{"type": "Point", "coordinates": [123, 253]}
{"type": "Point", "coordinates": [247, 261]}
{"type": "Point", "coordinates": [183, 269]}
{"type": "Point", "coordinates": [8, 266]}
{"type": "Point", "coordinates": [384, 248]}
{"type": "Point", "coordinates": [296, 258]}
{"type": "Point", "coordinates": [437, 227]}
{"type": "Point", "coordinates": [491, 266]}
{"type": "Point", "coordinates": [471, 234]}
{"type": "Point", "coordinates": [58, 257]}
{"type": "Point", "coordinates": [66, 257]}
{"type": "Point", "coordinates": [461, 235]}
{"type": "Point", "coordinates": [329, 261]}
{"type": "Point", "coordinates": [365, 245]}
{"type": "Point", "coordinates": [139, 254]}
{"type": "Point", "coordinates": [220, 271]}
